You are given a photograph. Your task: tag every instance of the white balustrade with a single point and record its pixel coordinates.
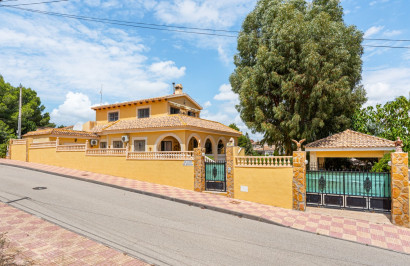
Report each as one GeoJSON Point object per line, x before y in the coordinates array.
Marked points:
{"type": "Point", "coordinates": [106, 152]}
{"type": "Point", "coordinates": [161, 155]}
{"type": "Point", "coordinates": [263, 161]}
{"type": "Point", "coordinates": [75, 147]}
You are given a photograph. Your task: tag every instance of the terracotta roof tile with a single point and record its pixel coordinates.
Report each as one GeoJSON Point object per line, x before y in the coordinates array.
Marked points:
{"type": "Point", "coordinates": [351, 139]}
{"type": "Point", "coordinates": [148, 100]}
{"type": "Point", "coordinates": [101, 127]}
{"type": "Point", "coordinates": [61, 132]}
{"type": "Point", "coordinates": [170, 121]}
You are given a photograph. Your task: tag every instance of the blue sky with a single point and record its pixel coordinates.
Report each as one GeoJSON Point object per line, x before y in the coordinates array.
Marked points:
{"type": "Point", "coordinates": [67, 61]}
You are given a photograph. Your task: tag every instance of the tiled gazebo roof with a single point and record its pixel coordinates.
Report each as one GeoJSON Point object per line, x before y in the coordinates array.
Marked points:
{"type": "Point", "coordinates": [350, 139]}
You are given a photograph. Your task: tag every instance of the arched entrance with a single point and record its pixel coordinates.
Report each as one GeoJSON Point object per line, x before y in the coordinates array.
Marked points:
{"type": "Point", "coordinates": [192, 144]}
{"type": "Point", "coordinates": [208, 147]}
{"type": "Point", "coordinates": [221, 147]}
{"type": "Point", "coordinates": [168, 143]}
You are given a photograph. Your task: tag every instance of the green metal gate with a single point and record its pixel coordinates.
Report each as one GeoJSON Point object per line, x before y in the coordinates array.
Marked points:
{"type": "Point", "coordinates": [215, 176]}
{"type": "Point", "coordinates": [352, 190]}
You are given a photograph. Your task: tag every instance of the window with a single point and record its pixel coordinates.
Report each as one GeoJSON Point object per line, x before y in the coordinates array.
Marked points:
{"type": "Point", "coordinates": [166, 145]}
{"type": "Point", "coordinates": [113, 116]}
{"type": "Point", "coordinates": [117, 144]}
{"type": "Point", "coordinates": [143, 113]}
{"type": "Point", "coordinates": [174, 111]}
{"type": "Point", "coordinates": [103, 145]}
{"type": "Point", "coordinates": [191, 113]}
{"type": "Point", "coordinates": [139, 145]}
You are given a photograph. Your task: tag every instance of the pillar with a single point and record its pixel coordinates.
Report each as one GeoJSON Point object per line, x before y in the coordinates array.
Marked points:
{"type": "Point", "coordinates": [400, 189]}
{"type": "Point", "coordinates": [299, 181]}
{"type": "Point", "coordinates": [313, 164]}
{"type": "Point", "coordinates": [230, 169]}
{"type": "Point", "coordinates": [199, 169]}
{"type": "Point", "coordinates": [29, 141]}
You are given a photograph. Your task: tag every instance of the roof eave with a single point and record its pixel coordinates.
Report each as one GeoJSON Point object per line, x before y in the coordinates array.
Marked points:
{"type": "Point", "coordinates": [385, 148]}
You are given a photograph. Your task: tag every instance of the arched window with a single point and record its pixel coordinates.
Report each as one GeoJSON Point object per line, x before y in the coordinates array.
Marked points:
{"type": "Point", "coordinates": [208, 146]}
{"type": "Point", "coordinates": [192, 144]}
{"type": "Point", "coordinates": [221, 147]}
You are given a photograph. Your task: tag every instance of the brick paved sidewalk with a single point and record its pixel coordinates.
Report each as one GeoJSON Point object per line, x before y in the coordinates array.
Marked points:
{"type": "Point", "coordinates": [385, 236]}
{"type": "Point", "coordinates": [48, 244]}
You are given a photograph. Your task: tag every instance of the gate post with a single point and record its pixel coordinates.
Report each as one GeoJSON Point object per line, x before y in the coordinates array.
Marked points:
{"type": "Point", "coordinates": [299, 180]}
{"type": "Point", "coordinates": [400, 186]}
{"type": "Point", "coordinates": [229, 168]}
{"type": "Point", "coordinates": [199, 169]}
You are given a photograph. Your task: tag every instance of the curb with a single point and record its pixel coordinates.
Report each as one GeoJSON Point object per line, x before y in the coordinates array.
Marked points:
{"type": "Point", "coordinates": [196, 204]}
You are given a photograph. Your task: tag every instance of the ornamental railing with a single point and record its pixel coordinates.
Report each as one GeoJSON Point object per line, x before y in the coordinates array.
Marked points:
{"type": "Point", "coordinates": [40, 145]}
{"type": "Point", "coordinates": [263, 161]}
{"type": "Point", "coordinates": [161, 155]}
{"type": "Point", "coordinates": [106, 152]}
{"type": "Point", "coordinates": [209, 160]}
{"type": "Point", "coordinates": [74, 147]}
{"type": "Point", "coordinates": [18, 141]}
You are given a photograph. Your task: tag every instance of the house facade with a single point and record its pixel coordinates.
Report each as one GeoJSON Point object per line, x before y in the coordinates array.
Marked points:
{"type": "Point", "coordinates": [162, 124]}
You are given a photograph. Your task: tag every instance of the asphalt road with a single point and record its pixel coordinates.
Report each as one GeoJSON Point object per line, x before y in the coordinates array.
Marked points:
{"type": "Point", "coordinates": [163, 232]}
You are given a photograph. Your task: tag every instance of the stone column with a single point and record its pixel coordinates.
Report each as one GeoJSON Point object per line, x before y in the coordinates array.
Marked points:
{"type": "Point", "coordinates": [299, 181]}
{"type": "Point", "coordinates": [199, 169]}
{"type": "Point", "coordinates": [400, 189]}
{"type": "Point", "coordinates": [230, 157]}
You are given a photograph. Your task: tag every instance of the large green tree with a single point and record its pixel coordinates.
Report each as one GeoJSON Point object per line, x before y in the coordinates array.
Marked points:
{"type": "Point", "coordinates": [33, 115]}
{"type": "Point", "coordinates": [298, 70]}
{"type": "Point", "coordinates": [388, 121]}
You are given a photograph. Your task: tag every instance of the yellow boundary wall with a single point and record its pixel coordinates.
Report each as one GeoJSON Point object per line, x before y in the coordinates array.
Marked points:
{"type": "Point", "coordinates": [165, 172]}
{"type": "Point", "coordinates": [18, 152]}
{"type": "Point", "coordinates": [271, 186]}
{"type": "Point", "coordinates": [266, 185]}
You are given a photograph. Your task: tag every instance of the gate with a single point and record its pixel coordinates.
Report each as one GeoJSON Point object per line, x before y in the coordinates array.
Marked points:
{"type": "Point", "coordinates": [215, 176]}
{"type": "Point", "coordinates": [351, 190]}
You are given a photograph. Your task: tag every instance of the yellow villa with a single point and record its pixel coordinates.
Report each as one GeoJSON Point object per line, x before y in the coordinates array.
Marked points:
{"type": "Point", "coordinates": [169, 123]}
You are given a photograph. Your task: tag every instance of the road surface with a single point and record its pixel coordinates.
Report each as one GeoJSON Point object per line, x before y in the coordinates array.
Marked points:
{"type": "Point", "coordinates": [163, 232]}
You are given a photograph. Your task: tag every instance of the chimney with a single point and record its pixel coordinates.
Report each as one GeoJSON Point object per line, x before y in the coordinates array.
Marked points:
{"type": "Point", "coordinates": [178, 89]}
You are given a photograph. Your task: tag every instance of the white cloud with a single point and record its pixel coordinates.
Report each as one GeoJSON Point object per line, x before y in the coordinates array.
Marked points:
{"type": "Point", "coordinates": [207, 104]}
{"type": "Point", "coordinates": [372, 31]}
{"type": "Point", "coordinates": [226, 94]}
{"type": "Point", "coordinates": [391, 33]}
{"type": "Point", "coordinates": [386, 84]}
{"type": "Point", "coordinates": [75, 109]}
{"type": "Point", "coordinates": [203, 13]}
{"type": "Point", "coordinates": [60, 55]}
{"type": "Point", "coordinates": [223, 55]}
{"type": "Point", "coordinates": [378, 2]}
{"type": "Point", "coordinates": [209, 14]}
{"type": "Point", "coordinates": [166, 70]}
